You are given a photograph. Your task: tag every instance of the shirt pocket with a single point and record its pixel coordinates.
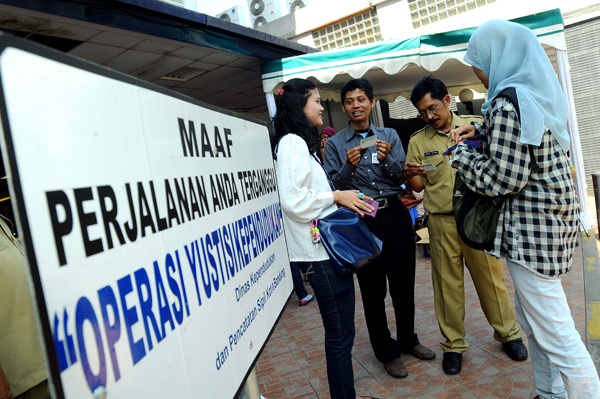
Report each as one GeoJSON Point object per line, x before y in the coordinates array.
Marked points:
{"type": "Point", "coordinates": [435, 176]}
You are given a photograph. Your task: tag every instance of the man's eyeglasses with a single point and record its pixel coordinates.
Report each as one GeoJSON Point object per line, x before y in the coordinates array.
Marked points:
{"type": "Point", "coordinates": [429, 111]}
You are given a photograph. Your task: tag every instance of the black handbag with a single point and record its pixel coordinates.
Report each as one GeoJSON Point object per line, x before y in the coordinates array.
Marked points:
{"type": "Point", "coordinates": [348, 241]}
{"type": "Point", "coordinates": [477, 215]}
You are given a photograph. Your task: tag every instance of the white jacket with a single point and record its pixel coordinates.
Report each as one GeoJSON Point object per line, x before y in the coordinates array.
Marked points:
{"type": "Point", "coordinates": [304, 194]}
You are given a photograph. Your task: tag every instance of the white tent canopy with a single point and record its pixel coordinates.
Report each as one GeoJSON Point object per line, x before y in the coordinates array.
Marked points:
{"type": "Point", "coordinates": [413, 58]}
{"type": "Point", "coordinates": [393, 67]}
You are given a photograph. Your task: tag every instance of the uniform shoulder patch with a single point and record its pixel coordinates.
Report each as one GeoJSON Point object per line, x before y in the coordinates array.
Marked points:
{"type": "Point", "coordinates": [475, 118]}
{"type": "Point", "coordinates": [418, 131]}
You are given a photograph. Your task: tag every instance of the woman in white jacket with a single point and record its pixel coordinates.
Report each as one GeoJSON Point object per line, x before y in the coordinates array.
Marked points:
{"type": "Point", "coordinates": [305, 195]}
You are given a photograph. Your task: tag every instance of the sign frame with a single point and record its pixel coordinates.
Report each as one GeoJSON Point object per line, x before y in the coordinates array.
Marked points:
{"type": "Point", "coordinates": [18, 203]}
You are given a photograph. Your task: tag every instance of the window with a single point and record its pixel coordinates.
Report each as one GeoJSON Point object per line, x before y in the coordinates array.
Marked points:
{"type": "Point", "coordinates": [404, 109]}
{"type": "Point", "coordinates": [425, 12]}
{"type": "Point", "coordinates": [354, 31]}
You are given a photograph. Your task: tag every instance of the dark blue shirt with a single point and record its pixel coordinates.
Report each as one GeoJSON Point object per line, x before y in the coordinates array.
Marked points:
{"type": "Point", "coordinates": [374, 179]}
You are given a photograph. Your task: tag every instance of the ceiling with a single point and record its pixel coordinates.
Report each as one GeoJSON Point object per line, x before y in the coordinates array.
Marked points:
{"type": "Point", "coordinates": [224, 78]}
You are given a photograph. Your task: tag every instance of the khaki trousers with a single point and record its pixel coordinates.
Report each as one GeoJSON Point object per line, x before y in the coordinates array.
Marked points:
{"type": "Point", "coordinates": [40, 391]}
{"type": "Point", "coordinates": [447, 254]}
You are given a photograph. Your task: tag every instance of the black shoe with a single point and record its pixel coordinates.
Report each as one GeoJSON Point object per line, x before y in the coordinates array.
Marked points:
{"type": "Point", "coordinates": [515, 349]}
{"type": "Point", "coordinates": [452, 363]}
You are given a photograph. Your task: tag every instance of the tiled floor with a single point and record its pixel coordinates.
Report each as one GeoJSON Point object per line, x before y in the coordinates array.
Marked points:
{"type": "Point", "coordinates": [293, 362]}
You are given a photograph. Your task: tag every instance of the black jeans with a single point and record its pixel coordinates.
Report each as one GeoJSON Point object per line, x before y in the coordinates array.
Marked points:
{"type": "Point", "coordinates": [393, 226]}
{"type": "Point", "coordinates": [335, 296]}
{"type": "Point", "coordinates": [298, 282]}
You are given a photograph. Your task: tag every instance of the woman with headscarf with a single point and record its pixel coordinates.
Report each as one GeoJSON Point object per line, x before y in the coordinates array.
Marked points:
{"type": "Point", "coordinates": [525, 161]}
{"type": "Point", "coordinates": [325, 135]}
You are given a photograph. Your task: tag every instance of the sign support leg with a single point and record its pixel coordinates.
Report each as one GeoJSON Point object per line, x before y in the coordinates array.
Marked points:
{"type": "Point", "coordinates": [250, 389]}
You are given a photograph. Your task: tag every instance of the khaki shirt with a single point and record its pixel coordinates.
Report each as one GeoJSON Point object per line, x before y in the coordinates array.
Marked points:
{"type": "Point", "coordinates": [427, 146]}
{"type": "Point", "coordinates": [20, 348]}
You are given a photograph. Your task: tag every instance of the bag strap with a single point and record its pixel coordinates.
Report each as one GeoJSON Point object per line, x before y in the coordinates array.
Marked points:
{"type": "Point", "coordinates": [277, 146]}
{"type": "Point", "coordinates": [511, 95]}
{"type": "Point", "coordinates": [534, 164]}
{"type": "Point", "coordinates": [326, 174]}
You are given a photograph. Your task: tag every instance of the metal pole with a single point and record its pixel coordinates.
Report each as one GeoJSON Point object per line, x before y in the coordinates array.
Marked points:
{"type": "Point", "coordinates": [250, 389]}
{"type": "Point", "coordinates": [272, 107]}
{"type": "Point", "coordinates": [596, 181]}
{"type": "Point", "coordinates": [591, 281]}
{"type": "Point", "coordinates": [329, 113]}
{"type": "Point", "coordinates": [377, 115]}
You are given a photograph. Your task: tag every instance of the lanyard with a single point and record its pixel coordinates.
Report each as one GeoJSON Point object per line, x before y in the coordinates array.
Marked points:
{"type": "Point", "coordinates": [472, 143]}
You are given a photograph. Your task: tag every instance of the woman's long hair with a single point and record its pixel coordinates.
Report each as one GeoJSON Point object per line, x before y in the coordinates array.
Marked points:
{"type": "Point", "coordinates": [290, 116]}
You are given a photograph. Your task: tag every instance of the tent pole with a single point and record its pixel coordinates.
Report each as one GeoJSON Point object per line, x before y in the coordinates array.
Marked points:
{"type": "Point", "coordinates": [564, 76]}
{"type": "Point", "coordinates": [271, 105]}
{"type": "Point", "coordinates": [329, 113]}
{"type": "Point", "coordinates": [377, 116]}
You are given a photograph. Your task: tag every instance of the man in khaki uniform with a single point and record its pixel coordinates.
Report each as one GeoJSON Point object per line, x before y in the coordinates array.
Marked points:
{"type": "Point", "coordinates": [426, 146]}
{"type": "Point", "coordinates": [20, 349]}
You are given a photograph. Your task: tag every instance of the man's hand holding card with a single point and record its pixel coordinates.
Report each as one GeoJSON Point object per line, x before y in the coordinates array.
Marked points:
{"type": "Point", "coordinates": [368, 141]}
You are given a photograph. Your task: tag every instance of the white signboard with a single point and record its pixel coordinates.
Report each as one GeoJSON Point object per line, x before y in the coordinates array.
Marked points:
{"type": "Point", "coordinates": [152, 228]}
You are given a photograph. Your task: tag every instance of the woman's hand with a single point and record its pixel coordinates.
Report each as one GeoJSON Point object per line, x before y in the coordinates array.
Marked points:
{"type": "Point", "coordinates": [354, 200]}
{"type": "Point", "coordinates": [461, 133]}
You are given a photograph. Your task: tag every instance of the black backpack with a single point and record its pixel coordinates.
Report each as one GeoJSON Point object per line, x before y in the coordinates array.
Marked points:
{"type": "Point", "coordinates": [477, 215]}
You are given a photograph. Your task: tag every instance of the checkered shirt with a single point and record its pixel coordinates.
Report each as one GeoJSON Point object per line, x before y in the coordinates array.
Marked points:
{"type": "Point", "coordinates": [538, 221]}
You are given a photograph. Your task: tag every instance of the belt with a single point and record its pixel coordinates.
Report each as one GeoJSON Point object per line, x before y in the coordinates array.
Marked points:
{"type": "Point", "coordinates": [385, 202]}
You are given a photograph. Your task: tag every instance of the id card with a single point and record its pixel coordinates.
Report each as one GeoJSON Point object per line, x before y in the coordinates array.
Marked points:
{"type": "Point", "coordinates": [369, 141]}
{"type": "Point", "coordinates": [315, 234]}
{"type": "Point", "coordinates": [371, 214]}
{"type": "Point", "coordinates": [429, 167]}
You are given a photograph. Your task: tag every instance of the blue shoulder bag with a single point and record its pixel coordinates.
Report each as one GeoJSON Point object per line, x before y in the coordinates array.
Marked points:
{"type": "Point", "coordinates": [346, 238]}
